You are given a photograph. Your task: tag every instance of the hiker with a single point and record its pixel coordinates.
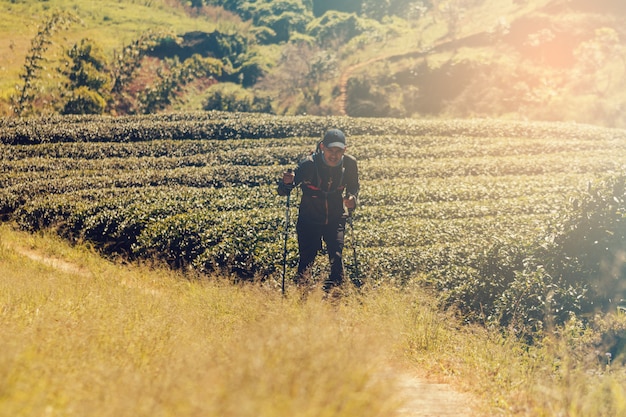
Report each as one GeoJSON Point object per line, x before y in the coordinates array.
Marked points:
{"type": "Point", "coordinates": [329, 181]}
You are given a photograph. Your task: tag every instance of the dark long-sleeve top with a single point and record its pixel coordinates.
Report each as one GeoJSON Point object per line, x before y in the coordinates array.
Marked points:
{"type": "Point", "coordinates": [323, 188]}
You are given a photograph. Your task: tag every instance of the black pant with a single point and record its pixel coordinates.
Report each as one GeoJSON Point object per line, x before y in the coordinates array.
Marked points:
{"type": "Point", "coordinates": [310, 238]}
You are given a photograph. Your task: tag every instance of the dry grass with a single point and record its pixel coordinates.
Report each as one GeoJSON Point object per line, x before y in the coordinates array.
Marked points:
{"type": "Point", "coordinates": [103, 339]}
{"type": "Point", "coordinates": [85, 336]}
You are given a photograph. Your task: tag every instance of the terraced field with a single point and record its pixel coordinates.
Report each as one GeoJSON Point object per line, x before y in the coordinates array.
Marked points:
{"type": "Point", "coordinates": [198, 190]}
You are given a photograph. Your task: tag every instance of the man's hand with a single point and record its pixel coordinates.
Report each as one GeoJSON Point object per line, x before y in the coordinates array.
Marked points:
{"type": "Point", "coordinates": [288, 177]}
{"type": "Point", "coordinates": [349, 202]}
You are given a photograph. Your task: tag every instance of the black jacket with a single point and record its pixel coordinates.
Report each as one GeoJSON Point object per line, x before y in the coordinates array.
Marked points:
{"type": "Point", "coordinates": [323, 188]}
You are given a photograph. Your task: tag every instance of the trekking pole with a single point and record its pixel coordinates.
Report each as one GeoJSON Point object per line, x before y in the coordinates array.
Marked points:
{"type": "Point", "coordinates": [285, 242]}
{"type": "Point", "coordinates": [356, 280]}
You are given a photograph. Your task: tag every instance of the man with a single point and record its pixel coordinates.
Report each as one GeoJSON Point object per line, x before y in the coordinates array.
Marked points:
{"type": "Point", "coordinates": [329, 180]}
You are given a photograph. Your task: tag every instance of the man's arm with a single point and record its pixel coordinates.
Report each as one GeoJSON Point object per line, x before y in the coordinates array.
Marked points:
{"type": "Point", "coordinates": [352, 184]}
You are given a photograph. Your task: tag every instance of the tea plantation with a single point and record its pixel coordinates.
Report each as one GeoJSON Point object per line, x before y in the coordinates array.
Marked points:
{"type": "Point", "coordinates": [508, 221]}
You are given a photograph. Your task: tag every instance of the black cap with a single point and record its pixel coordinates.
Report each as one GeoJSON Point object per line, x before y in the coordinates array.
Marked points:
{"type": "Point", "coordinates": [334, 138]}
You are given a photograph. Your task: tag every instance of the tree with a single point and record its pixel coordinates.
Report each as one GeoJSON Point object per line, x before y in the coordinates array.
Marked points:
{"type": "Point", "coordinates": [600, 61]}
{"type": "Point", "coordinates": [161, 95]}
{"type": "Point", "coordinates": [282, 16]}
{"type": "Point", "coordinates": [347, 6]}
{"type": "Point", "coordinates": [22, 101]}
{"type": "Point", "coordinates": [89, 81]}
{"type": "Point", "coordinates": [127, 63]}
{"type": "Point", "coordinates": [335, 28]}
{"type": "Point", "coordinates": [379, 9]}
{"type": "Point", "coordinates": [301, 71]}
{"type": "Point", "coordinates": [84, 101]}
{"type": "Point", "coordinates": [234, 98]}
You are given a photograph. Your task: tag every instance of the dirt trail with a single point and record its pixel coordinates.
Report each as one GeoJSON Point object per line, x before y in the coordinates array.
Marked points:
{"type": "Point", "coordinates": [421, 398]}
{"type": "Point", "coordinates": [52, 262]}
{"type": "Point", "coordinates": [427, 399]}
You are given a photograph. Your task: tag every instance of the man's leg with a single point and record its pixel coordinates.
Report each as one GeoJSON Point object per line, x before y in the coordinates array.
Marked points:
{"type": "Point", "coordinates": [334, 238]}
{"type": "Point", "coordinates": [309, 243]}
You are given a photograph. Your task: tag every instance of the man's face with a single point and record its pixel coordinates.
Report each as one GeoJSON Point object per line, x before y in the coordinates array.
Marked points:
{"type": "Point", "coordinates": [333, 155]}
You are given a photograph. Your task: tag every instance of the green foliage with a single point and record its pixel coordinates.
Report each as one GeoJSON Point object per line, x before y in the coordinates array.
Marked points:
{"type": "Point", "coordinates": [275, 20]}
{"type": "Point", "coordinates": [128, 60]}
{"type": "Point", "coordinates": [252, 68]}
{"type": "Point", "coordinates": [161, 95]}
{"type": "Point", "coordinates": [336, 25]}
{"type": "Point", "coordinates": [87, 66]}
{"type": "Point", "coordinates": [378, 9]}
{"type": "Point", "coordinates": [347, 6]}
{"type": "Point", "coordinates": [283, 17]}
{"type": "Point", "coordinates": [481, 210]}
{"type": "Point", "coordinates": [242, 61]}
{"type": "Point", "coordinates": [126, 64]}
{"type": "Point", "coordinates": [588, 243]}
{"type": "Point", "coordinates": [83, 100]}
{"type": "Point", "coordinates": [234, 98]}
{"type": "Point", "coordinates": [89, 81]}
{"type": "Point", "coordinates": [26, 93]}
{"type": "Point", "coordinates": [364, 99]}
{"type": "Point", "coordinates": [374, 9]}
{"type": "Point", "coordinates": [575, 267]}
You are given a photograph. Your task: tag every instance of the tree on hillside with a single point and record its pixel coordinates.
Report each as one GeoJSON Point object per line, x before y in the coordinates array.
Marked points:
{"type": "Point", "coordinates": [374, 9]}
{"type": "Point", "coordinates": [170, 83]}
{"type": "Point", "coordinates": [600, 61]}
{"type": "Point", "coordinates": [126, 64]}
{"type": "Point", "coordinates": [234, 98]}
{"type": "Point", "coordinates": [335, 28]}
{"type": "Point", "coordinates": [283, 17]}
{"type": "Point", "coordinates": [89, 81]}
{"type": "Point", "coordinates": [347, 6]}
{"type": "Point", "coordinates": [378, 9]}
{"type": "Point", "coordinates": [300, 72]}
{"type": "Point", "coordinates": [22, 101]}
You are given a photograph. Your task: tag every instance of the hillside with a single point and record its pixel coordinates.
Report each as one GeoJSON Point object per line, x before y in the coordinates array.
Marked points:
{"type": "Point", "coordinates": [530, 60]}
{"type": "Point", "coordinates": [86, 336]}
{"type": "Point", "coordinates": [484, 253]}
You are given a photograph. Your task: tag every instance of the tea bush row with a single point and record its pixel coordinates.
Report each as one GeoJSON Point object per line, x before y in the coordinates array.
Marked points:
{"type": "Point", "coordinates": [228, 126]}
{"type": "Point", "coordinates": [466, 205]}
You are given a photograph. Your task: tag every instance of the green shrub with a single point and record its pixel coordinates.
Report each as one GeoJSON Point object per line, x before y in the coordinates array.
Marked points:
{"type": "Point", "coordinates": [86, 68]}
{"type": "Point", "coordinates": [159, 96]}
{"type": "Point", "coordinates": [587, 244]}
{"type": "Point", "coordinates": [283, 17]}
{"type": "Point", "coordinates": [334, 26]}
{"type": "Point", "coordinates": [577, 267]}
{"type": "Point", "coordinates": [84, 101]}
{"type": "Point", "coordinates": [234, 98]}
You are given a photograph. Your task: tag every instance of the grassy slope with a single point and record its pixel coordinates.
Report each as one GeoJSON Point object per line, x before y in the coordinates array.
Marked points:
{"type": "Point", "coordinates": [84, 336]}
{"type": "Point", "coordinates": [112, 23]}
{"type": "Point", "coordinates": [116, 23]}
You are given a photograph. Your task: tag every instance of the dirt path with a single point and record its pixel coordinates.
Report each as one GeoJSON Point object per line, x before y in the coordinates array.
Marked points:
{"type": "Point", "coordinates": [52, 262]}
{"type": "Point", "coordinates": [427, 399]}
{"type": "Point", "coordinates": [421, 398]}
